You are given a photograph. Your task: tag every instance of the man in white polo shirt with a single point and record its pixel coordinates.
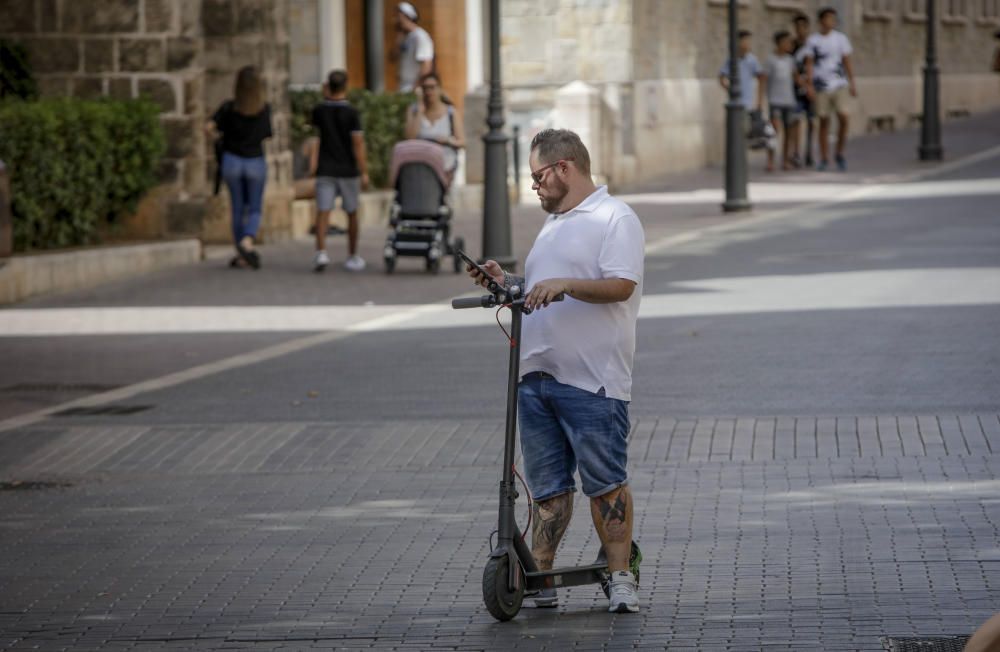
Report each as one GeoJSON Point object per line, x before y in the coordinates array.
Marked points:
{"type": "Point", "coordinates": [576, 357]}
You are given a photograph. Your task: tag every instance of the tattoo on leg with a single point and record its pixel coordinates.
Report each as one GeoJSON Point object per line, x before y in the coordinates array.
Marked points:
{"type": "Point", "coordinates": [614, 515]}
{"type": "Point", "coordinates": [550, 520]}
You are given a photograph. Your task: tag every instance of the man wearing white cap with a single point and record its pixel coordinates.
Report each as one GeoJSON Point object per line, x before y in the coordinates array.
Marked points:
{"type": "Point", "coordinates": [416, 49]}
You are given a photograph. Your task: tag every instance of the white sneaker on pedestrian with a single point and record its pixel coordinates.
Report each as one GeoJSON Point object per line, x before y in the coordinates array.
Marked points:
{"type": "Point", "coordinates": [355, 263]}
{"type": "Point", "coordinates": [321, 260]}
{"type": "Point", "coordinates": [624, 598]}
{"type": "Point", "coordinates": [544, 599]}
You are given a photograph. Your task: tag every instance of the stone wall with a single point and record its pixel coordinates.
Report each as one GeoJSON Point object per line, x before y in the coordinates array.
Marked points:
{"type": "Point", "coordinates": [237, 33]}
{"type": "Point", "coordinates": [558, 41]}
{"type": "Point", "coordinates": [304, 45]}
{"type": "Point", "coordinates": [182, 54]}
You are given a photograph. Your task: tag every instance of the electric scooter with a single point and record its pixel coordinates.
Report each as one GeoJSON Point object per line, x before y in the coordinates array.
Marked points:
{"type": "Point", "coordinates": [511, 570]}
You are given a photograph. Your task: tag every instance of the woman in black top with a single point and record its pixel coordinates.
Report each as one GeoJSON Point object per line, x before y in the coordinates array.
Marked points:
{"type": "Point", "coordinates": [244, 123]}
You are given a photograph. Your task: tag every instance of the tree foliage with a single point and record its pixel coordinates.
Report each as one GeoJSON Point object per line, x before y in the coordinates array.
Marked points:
{"type": "Point", "coordinates": [383, 118]}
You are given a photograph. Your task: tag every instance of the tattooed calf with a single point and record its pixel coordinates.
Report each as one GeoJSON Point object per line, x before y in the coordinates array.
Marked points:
{"type": "Point", "coordinates": [551, 518]}
{"type": "Point", "coordinates": [614, 515]}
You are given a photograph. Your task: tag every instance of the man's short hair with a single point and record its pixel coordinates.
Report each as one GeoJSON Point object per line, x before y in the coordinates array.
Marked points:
{"type": "Point", "coordinates": [744, 33]}
{"type": "Point", "coordinates": [780, 35]}
{"type": "Point", "coordinates": [336, 81]}
{"type": "Point", "coordinates": [824, 11]}
{"type": "Point", "coordinates": [800, 18]}
{"type": "Point", "coordinates": [560, 145]}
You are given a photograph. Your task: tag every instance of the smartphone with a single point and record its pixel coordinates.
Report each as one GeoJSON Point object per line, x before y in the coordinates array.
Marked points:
{"type": "Point", "coordinates": [479, 268]}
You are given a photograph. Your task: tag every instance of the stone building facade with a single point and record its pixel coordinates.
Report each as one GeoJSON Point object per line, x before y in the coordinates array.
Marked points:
{"type": "Point", "coordinates": [182, 54]}
{"type": "Point", "coordinates": [639, 77]}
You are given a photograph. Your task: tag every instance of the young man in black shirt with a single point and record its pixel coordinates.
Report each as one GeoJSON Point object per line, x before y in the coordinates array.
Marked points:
{"type": "Point", "coordinates": [340, 165]}
{"type": "Point", "coordinates": [802, 32]}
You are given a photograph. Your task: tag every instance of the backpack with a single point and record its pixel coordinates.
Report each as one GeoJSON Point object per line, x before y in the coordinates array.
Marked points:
{"type": "Point", "coordinates": [761, 134]}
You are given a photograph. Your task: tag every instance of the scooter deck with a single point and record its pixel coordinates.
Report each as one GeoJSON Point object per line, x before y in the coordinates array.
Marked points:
{"type": "Point", "coordinates": [566, 576]}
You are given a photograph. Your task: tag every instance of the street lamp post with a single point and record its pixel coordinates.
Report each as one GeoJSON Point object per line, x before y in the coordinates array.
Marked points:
{"type": "Point", "coordinates": [374, 60]}
{"type": "Point", "coordinates": [736, 152]}
{"type": "Point", "coordinates": [930, 126]}
{"type": "Point", "coordinates": [496, 211]}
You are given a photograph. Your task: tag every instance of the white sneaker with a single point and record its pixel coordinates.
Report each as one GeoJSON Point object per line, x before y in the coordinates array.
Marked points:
{"type": "Point", "coordinates": [355, 263]}
{"type": "Point", "coordinates": [544, 599]}
{"type": "Point", "coordinates": [624, 598]}
{"type": "Point", "coordinates": [321, 260]}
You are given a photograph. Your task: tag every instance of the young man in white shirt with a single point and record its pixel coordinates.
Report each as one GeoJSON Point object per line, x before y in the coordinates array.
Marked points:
{"type": "Point", "coordinates": [576, 357]}
{"type": "Point", "coordinates": [830, 76]}
{"type": "Point", "coordinates": [416, 48]}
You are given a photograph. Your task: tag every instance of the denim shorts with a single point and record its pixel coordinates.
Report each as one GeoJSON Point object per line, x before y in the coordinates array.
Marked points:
{"type": "Point", "coordinates": [564, 428]}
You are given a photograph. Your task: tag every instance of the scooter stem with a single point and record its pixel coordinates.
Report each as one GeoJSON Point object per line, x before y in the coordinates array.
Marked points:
{"type": "Point", "coordinates": [507, 528]}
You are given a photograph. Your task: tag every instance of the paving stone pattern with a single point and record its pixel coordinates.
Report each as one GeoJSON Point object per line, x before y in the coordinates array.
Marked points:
{"type": "Point", "coordinates": [297, 447]}
{"type": "Point", "coordinates": [758, 533]}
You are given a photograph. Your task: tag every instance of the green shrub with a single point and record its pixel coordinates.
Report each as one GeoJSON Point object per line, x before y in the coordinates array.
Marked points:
{"type": "Point", "coordinates": [383, 118]}
{"type": "Point", "coordinates": [76, 163]}
{"type": "Point", "coordinates": [302, 103]}
{"type": "Point", "coordinates": [16, 78]}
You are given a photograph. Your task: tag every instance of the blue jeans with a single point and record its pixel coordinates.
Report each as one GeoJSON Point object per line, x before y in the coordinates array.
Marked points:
{"type": "Point", "coordinates": [564, 428]}
{"type": "Point", "coordinates": [245, 178]}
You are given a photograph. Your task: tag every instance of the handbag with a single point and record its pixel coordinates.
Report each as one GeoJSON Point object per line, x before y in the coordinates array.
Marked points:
{"type": "Point", "coordinates": [218, 165]}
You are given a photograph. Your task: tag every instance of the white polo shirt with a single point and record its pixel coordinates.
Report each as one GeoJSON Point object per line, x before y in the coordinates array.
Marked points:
{"type": "Point", "coordinates": [586, 345]}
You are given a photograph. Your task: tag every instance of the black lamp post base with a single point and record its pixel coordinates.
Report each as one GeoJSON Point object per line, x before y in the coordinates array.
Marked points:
{"type": "Point", "coordinates": [930, 152]}
{"type": "Point", "coordinates": [736, 205]}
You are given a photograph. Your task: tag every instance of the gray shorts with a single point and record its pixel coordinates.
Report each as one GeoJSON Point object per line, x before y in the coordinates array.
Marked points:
{"type": "Point", "coordinates": [329, 188]}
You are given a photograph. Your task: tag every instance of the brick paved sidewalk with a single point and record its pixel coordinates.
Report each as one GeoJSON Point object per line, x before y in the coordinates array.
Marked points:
{"type": "Point", "coordinates": [794, 534]}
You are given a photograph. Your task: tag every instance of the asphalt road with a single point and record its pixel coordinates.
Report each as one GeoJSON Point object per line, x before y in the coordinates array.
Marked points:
{"type": "Point", "coordinates": [855, 307]}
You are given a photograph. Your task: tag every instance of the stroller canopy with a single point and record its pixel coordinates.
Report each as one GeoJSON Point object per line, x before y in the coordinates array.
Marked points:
{"type": "Point", "coordinates": [417, 151]}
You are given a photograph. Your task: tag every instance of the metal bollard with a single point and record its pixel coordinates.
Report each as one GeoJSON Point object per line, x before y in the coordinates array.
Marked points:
{"type": "Point", "coordinates": [517, 164]}
{"type": "Point", "coordinates": [6, 217]}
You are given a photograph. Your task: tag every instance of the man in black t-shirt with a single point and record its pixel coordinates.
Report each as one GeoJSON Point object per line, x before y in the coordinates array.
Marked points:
{"type": "Point", "coordinates": [802, 31]}
{"type": "Point", "coordinates": [340, 165]}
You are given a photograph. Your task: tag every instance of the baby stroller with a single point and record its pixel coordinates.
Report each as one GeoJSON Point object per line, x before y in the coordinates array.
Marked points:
{"type": "Point", "coordinates": [420, 220]}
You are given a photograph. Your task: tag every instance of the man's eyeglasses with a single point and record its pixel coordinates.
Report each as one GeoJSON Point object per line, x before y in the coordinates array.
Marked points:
{"type": "Point", "coordinates": [539, 174]}
{"type": "Point", "coordinates": [430, 87]}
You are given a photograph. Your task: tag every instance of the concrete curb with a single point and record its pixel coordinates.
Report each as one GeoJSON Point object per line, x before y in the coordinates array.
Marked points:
{"type": "Point", "coordinates": [373, 211]}
{"type": "Point", "coordinates": [32, 275]}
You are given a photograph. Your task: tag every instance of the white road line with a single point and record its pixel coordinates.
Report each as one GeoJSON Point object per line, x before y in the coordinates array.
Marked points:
{"type": "Point", "coordinates": [200, 371]}
{"type": "Point", "coordinates": [302, 343]}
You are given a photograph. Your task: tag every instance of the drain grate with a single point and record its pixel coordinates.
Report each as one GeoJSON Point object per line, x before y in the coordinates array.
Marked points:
{"type": "Point", "coordinates": [102, 410]}
{"type": "Point", "coordinates": [59, 387]}
{"type": "Point", "coordinates": [29, 485]}
{"type": "Point", "coordinates": [924, 643]}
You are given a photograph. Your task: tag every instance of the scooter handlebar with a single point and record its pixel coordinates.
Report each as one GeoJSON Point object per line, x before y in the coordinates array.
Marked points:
{"type": "Point", "coordinates": [472, 302]}
{"type": "Point", "coordinates": [490, 301]}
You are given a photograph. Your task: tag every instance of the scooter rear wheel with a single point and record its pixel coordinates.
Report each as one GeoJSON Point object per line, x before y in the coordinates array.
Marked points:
{"type": "Point", "coordinates": [502, 603]}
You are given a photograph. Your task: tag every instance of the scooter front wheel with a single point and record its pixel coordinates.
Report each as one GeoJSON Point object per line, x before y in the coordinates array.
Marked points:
{"type": "Point", "coordinates": [502, 603]}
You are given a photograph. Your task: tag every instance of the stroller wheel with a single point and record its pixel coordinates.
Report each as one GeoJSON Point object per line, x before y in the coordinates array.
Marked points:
{"type": "Point", "coordinates": [390, 264]}
{"type": "Point", "coordinates": [433, 265]}
{"type": "Point", "coordinates": [458, 244]}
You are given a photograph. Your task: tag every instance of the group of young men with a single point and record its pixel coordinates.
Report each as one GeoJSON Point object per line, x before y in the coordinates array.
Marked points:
{"type": "Point", "coordinates": [808, 75]}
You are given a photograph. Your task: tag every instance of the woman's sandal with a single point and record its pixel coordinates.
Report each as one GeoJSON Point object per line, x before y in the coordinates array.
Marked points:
{"type": "Point", "coordinates": [251, 256]}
